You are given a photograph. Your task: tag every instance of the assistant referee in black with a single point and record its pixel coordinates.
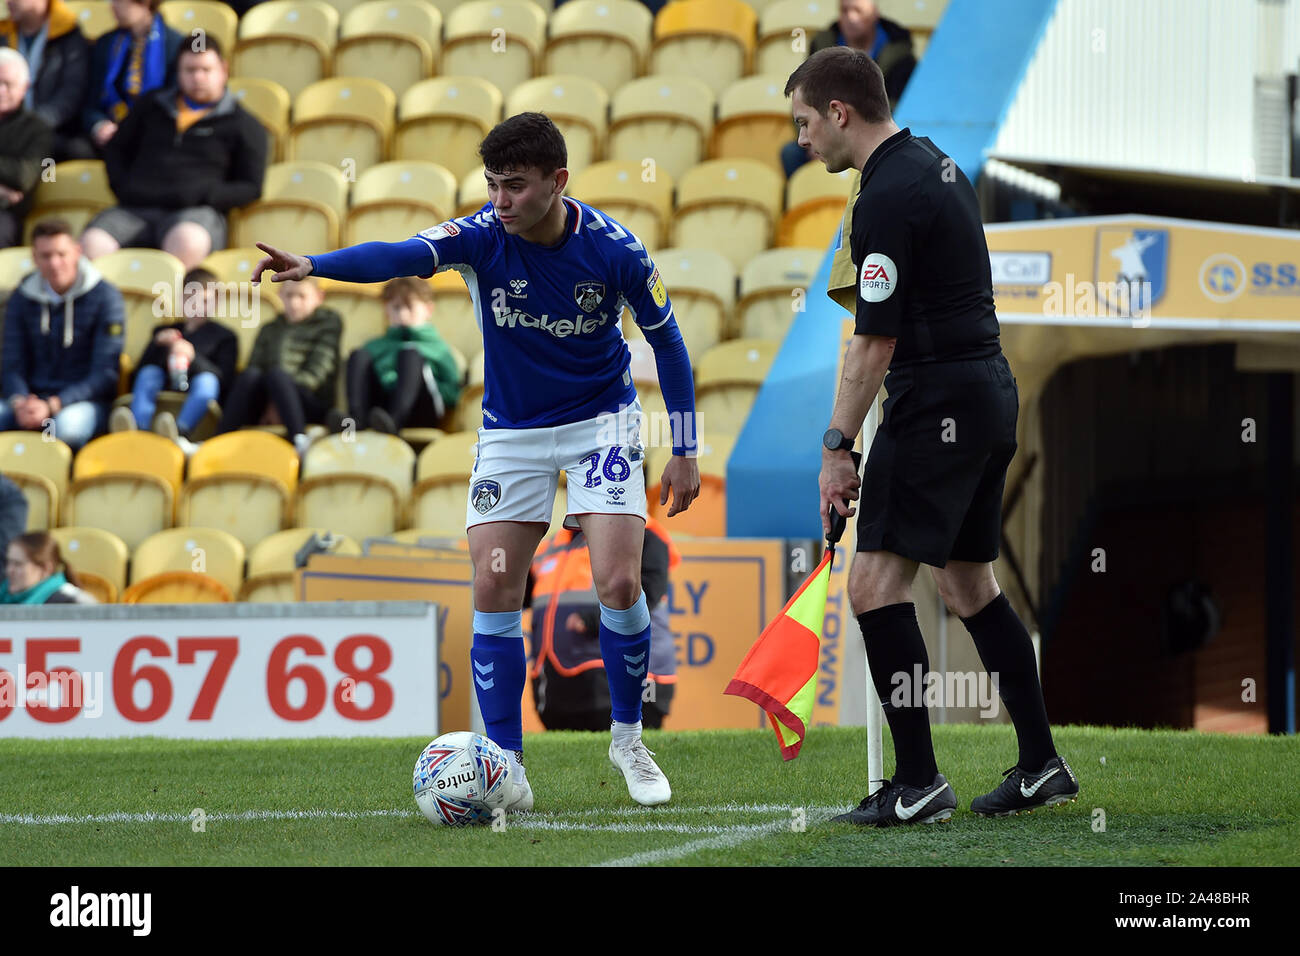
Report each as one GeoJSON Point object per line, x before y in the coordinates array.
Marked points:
{"type": "Point", "coordinates": [932, 492]}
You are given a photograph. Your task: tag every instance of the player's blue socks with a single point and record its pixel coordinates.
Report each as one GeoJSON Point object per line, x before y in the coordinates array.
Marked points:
{"type": "Point", "coordinates": [625, 648]}
{"type": "Point", "coordinates": [499, 667]}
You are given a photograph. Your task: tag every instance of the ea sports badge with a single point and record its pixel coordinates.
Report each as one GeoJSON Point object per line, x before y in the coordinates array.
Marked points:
{"type": "Point", "coordinates": [878, 278]}
{"type": "Point", "coordinates": [657, 290]}
{"type": "Point", "coordinates": [485, 495]}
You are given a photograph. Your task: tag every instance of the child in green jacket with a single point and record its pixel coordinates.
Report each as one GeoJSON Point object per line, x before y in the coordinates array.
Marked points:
{"type": "Point", "coordinates": [407, 377]}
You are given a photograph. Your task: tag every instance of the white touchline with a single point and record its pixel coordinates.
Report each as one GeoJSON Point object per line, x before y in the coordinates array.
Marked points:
{"type": "Point", "coordinates": [724, 841]}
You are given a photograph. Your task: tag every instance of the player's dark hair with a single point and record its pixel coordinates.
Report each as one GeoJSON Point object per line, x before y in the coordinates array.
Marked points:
{"type": "Point", "coordinates": [841, 73]}
{"type": "Point", "coordinates": [523, 141]}
{"type": "Point", "coordinates": [51, 227]}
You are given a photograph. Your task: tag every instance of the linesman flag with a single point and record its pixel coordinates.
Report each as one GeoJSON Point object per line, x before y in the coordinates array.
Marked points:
{"type": "Point", "coordinates": [780, 671]}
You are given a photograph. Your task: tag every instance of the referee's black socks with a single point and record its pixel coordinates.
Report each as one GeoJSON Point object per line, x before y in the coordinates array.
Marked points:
{"type": "Point", "coordinates": [895, 647]}
{"type": "Point", "coordinates": [1006, 650]}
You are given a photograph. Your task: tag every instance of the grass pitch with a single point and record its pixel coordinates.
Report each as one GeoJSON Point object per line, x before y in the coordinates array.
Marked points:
{"type": "Point", "coordinates": [1168, 798]}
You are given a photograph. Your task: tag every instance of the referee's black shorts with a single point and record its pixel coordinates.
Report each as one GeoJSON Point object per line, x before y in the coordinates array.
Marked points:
{"type": "Point", "coordinates": [933, 485]}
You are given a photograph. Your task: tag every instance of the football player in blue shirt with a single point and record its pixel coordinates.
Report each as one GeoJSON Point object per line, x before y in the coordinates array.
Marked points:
{"type": "Point", "coordinates": [550, 277]}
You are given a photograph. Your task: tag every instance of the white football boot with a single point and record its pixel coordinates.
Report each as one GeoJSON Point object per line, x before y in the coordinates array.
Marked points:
{"type": "Point", "coordinates": [523, 792]}
{"type": "Point", "coordinates": [645, 781]}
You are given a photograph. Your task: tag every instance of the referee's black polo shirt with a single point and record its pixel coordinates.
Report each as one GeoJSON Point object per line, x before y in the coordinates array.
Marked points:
{"type": "Point", "coordinates": [923, 263]}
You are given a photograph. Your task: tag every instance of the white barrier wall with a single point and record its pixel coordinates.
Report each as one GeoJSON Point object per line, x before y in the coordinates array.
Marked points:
{"type": "Point", "coordinates": [219, 671]}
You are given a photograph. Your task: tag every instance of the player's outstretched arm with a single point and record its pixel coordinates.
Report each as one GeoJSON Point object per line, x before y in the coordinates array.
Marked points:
{"type": "Point", "coordinates": [367, 262]}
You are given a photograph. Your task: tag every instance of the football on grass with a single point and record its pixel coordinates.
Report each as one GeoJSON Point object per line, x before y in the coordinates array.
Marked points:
{"type": "Point", "coordinates": [461, 778]}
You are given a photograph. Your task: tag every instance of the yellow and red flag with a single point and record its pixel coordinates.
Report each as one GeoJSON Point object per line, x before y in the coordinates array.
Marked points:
{"type": "Point", "coordinates": [780, 671]}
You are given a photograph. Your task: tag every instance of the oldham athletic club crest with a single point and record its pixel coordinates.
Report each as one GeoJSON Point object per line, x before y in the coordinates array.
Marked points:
{"type": "Point", "coordinates": [486, 494]}
{"type": "Point", "coordinates": [588, 294]}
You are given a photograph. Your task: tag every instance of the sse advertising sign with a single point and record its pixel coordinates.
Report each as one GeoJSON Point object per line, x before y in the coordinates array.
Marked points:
{"type": "Point", "coordinates": [220, 671]}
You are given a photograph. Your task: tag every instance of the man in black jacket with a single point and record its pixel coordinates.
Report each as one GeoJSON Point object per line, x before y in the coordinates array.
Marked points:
{"type": "Point", "coordinates": [45, 32]}
{"type": "Point", "coordinates": [181, 159]}
{"type": "Point", "coordinates": [24, 143]}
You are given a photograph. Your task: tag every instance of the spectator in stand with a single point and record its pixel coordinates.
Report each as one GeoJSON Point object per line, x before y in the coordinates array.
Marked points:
{"type": "Point", "coordinates": [13, 511]}
{"type": "Point", "coordinates": [196, 355]}
{"type": "Point", "coordinates": [139, 56]}
{"type": "Point", "coordinates": [45, 32]}
{"type": "Point", "coordinates": [406, 377]}
{"type": "Point", "coordinates": [35, 573]}
{"type": "Point", "coordinates": [181, 159]}
{"type": "Point", "coordinates": [292, 373]}
{"type": "Point", "coordinates": [24, 142]}
{"type": "Point", "coordinates": [888, 43]}
{"type": "Point", "coordinates": [62, 341]}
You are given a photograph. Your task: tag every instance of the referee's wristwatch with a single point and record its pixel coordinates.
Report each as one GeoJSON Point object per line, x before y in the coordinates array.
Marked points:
{"type": "Point", "coordinates": [836, 440]}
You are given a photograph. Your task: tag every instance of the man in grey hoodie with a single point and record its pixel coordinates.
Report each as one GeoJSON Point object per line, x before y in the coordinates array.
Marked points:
{"type": "Point", "coordinates": [62, 342]}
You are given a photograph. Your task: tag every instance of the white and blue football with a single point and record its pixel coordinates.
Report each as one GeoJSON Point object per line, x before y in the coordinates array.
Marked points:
{"type": "Point", "coordinates": [461, 778]}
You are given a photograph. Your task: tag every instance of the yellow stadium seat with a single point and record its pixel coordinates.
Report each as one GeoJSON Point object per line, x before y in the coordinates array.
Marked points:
{"type": "Point", "coordinates": [363, 319]}
{"type": "Point", "coordinates": [603, 40]}
{"type": "Point", "coordinates": [344, 121]}
{"type": "Point", "coordinates": [201, 550]}
{"type": "Point", "coordinates": [785, 33]}
{"type": "Point", "coordinates": [301, 206]}
{"type": "Point", "coordinates": [773, 289]}
{"type": "Point", "coordinates": [241, 482]}
{"type": "Point", "coordinates": [444, 119]}
{"type": "Point", "coordinates": [74, 190]}
{"type": "Point", "coordinates": [739, 199]}
{"type": "Point", "coordinates": [289, 41]}
{"type": "Point", "coordinates": [177, 587]}
{"type": "Point", "coordinates": [131, 453]}
{"type": "Point", "coordinates": [576, 104]}
{"type": "Point", "coordinates": [421, 438]}
{"type": "Point", "coordinates": [619, 189]}
{"type": "Point", "coordinates": [42, 500]}
{"type": "Point", "coordinates": [453, 313]}
{"type": "Point", "coordinates": [136, 273]}
{"type": "Point", "coordinates": [94, 17]}
{"type": "Point", "coordinates": [233, 269]}
{"type": "Point", "coordinates": [701, 283]}
{"type": "Point", "coordinates": [727, 378]}
{"type": "Point", "coordinates": [358, 505]}
{"type": "Point", "coordinates": [15, 263]}
{"type": "Point", "coordinates": [443, 470]}
{"type": "Point", "coordinates": [811, 224]}
{"type": "Point", "coordinates": [811, 181]}
{"type": "Point", "coordinates": [664, 118]}
{"type": "Point", "coordinates": [131, 506]}
{"type": "Point", "coordinates": [469, 410]}
{"type": "Point", "coordinates": [276, 552]}
{"type": "Point", "coordinates": [713, 40]}
{"type": "Point", "coordinates": [368, 453]}
{"type": "Point", "coordinates": [268, 101]}
{"type": "Point", "coordinates": [471, 193]}
{"type": "Point", "coordinates": [498, 40]}
{"type": "Point", "coordinates": [395, 42]}
{"type": "Point", "coordinates": [393, 201]}
{"type": "Point", "coordinates": [275, 587]}
{"type": "Point", "coordinates": [212, 17]}
{"type": "Point", "coordinates": [95, 551]}
{"type": "Point", "coordinates": [29, 453]}
{"type": "Point", "coordinates": [97, 587]}
{"type": "Point", "coordinates": [753, 122]}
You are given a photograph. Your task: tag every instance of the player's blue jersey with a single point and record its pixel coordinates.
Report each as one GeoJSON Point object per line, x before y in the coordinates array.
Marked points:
{"type": "Point", "coordinates": [553, 347]}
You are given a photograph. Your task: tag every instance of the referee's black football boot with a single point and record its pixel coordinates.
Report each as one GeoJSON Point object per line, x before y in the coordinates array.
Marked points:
{"type": "Point", "coordinates": [1021, 792]}
{"type": "Point", "coordinates": [896, 804]}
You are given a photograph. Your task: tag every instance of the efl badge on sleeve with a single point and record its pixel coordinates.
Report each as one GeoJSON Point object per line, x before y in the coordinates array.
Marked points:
{"type": "Point", "coordinates": [444, 230]}
{"type": "Point", "coordinates": [486, 494]}
{"type": "Point", "coordinates": [657, 290]}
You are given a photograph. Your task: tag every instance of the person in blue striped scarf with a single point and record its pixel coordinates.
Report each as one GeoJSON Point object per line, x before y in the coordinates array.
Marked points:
{"type": "Point", "coordinates": [139, 56]}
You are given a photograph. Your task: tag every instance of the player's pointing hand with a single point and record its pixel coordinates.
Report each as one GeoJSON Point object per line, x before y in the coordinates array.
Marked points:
{"type": "Point", "coordinates": [286, 266]}
{"type": "Point", "coordinates": [682, 475]}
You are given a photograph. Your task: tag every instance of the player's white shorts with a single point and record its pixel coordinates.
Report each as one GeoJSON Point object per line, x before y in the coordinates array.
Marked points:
{"type": "Point", "coordinates": [516, 470]}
